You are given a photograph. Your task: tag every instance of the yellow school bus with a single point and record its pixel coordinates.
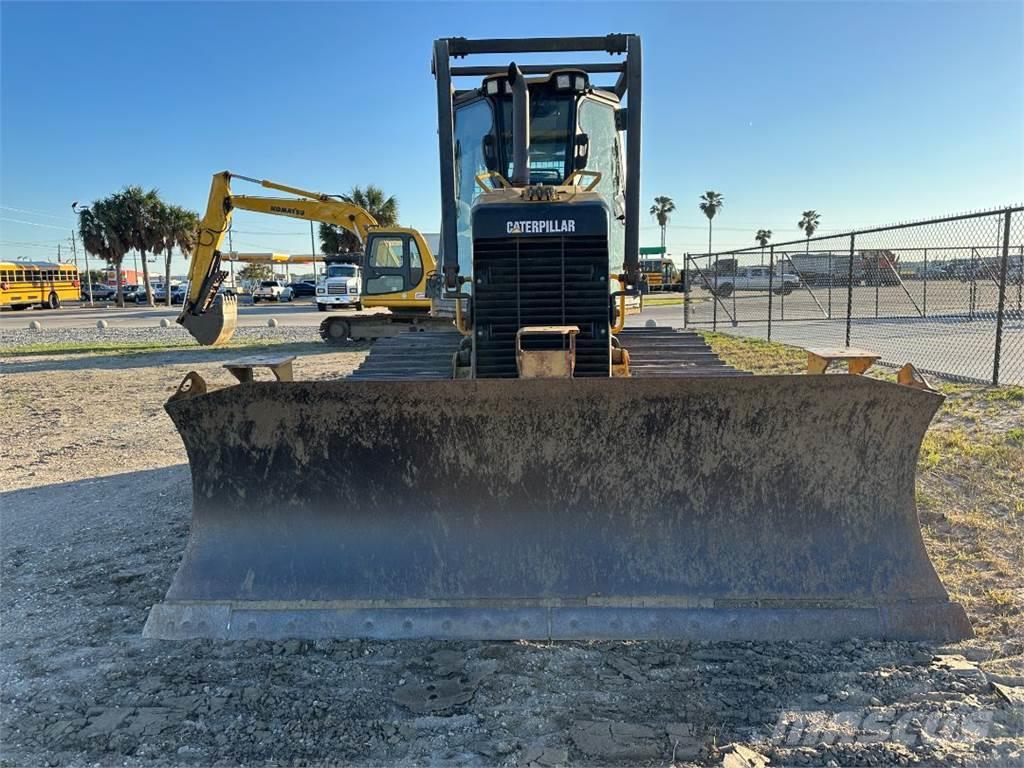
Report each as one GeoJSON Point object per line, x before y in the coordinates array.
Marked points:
{"type": "Point", "coordinates": [41, 283]}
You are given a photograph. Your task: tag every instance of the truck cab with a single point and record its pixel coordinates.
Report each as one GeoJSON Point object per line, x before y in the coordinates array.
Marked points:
{"type": "Point", "coordinates": [339, 287]}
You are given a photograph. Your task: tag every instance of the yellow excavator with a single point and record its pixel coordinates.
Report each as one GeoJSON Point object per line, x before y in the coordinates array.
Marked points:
{"type": "Point", "coordinates": [397, 265]}
{"type": "Point", "coordinates": [541, 471]}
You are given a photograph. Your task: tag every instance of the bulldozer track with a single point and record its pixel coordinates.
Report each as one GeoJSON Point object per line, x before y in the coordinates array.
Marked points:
{"type": "Point", "coordinates": [654, 352]}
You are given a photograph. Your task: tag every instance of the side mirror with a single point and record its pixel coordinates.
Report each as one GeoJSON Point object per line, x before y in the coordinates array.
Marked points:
{"type": "Point", "coordinates": [581, 153]}
{"type": "Point", "coordinates": [490, 153]}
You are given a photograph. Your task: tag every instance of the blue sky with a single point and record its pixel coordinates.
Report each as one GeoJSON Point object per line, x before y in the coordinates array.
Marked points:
{"type": "Point", "coordinates": [868, 112]}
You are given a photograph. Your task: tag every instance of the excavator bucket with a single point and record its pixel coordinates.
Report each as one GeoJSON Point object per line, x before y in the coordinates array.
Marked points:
{"type": "Point", "coordinates": [742, 508]}
{"type": "Point", "coordinates": [216, 325]}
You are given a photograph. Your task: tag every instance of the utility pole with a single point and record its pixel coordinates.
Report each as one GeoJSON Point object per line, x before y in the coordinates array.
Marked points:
{"type": "Point", "coordinates": [88, 275]}
{"type": "Point", "coordinates": [312, 244]}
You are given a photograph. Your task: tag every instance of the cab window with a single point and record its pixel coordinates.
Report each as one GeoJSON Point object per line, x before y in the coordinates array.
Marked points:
{"type": "Point", "coordinates": [415, 264]}
{"type": "Point", "coordinates": [387, 253]}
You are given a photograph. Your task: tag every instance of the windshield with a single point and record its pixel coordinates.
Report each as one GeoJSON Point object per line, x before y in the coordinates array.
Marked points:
{"type": "Point", "coordinates": [341, 270]}
{"type": "Point", "coordinates": [551, 125]}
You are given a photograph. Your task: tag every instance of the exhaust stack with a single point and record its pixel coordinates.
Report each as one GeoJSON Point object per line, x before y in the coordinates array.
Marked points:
{"type": "Point", "coordinates": [520, 126]}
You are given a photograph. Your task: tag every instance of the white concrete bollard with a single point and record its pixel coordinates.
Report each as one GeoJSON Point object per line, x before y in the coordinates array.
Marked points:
{"type": "Point", "coordinates": [651, 324]}
{"type": "Point", "coordinates": [35, 325]}
{"type": "Point", "coordinates": [101, 324]}
{"type": "Point", "coordinates": [165, 323]}
{"type": "Point", "coordinates": [272, 323]}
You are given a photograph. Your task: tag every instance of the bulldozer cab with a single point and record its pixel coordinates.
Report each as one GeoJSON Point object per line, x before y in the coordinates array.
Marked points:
{"type": "Point", "coordinates": [576, 123]}
{"type": "Point", "coordinates": [572, 128]}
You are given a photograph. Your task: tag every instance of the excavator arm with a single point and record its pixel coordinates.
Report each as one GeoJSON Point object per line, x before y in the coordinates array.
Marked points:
{"type": "Point", "coordinates": [211, 317]}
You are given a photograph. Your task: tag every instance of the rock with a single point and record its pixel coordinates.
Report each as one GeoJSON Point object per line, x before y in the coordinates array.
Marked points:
{"type": "Point", "coordinates": [1010, 694]}
{"type": "Point", "coordinates": [150, 721]}
{"type": "Point", "coordinates": [434, 696]}
{"type": "Point", "coordinates": [651, 324]}
{"type": "Point", "coordinates": [821, 698]}
{"type": "Point", "coordinates": [35, 325]}
{"type": "Point", "coordinates": [292, 647]}
{"type": "Point", "coordinates": [496, 651]}
{"type": "Point", "coordinates": [739, 756]}
{"type": "Point", "coordinates": [106, 722]}
{"type": "Point", "coordinates": [686, 741]}
{"type": "Point", "coordinates": [541, 755]}
{"type": "Point", "coordinates": [101, 324]}
{"type": "Point", "coordinates": [627, 668]}
{"type": "Point", "coordinates": [272, 323]}
{"type": "Point", "coordinates": [875, 701]}
{"type": "Point", "coordinates": [165, 323]}
{"type": "Point", "coordinates": [617, 741]}
{"type": "Point", "coordinates": [958, 666]}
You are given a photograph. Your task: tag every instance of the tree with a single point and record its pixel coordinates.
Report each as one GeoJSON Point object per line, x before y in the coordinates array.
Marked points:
{"type": "Point", "coordinates": [662, 207]}
{"type": "Point", "coordinates": [762, 237]}
{"type": "Point", "coordinates": [255, 272]}
{"type": "Point", "coordinates": [142, 212]}
{"type": "Point", "coordinates": [335, 240]}
{"type": "Point", "coordinates": [101, 229]}
{"type": "Point", "coordinates": [711, 203]}
{"type": "Point", "coordinates": [809, 223]}
{"type": "Point", "coordinates": [179, 228]}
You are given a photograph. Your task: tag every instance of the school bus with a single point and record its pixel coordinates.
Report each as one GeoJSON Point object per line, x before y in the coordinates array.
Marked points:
{"type": "Point", "coordinates": [661, 273]}
{"type": "Point", "coordinates": [40, 283]}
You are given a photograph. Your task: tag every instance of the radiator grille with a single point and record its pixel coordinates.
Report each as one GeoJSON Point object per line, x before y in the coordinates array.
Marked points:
{"type": "Point", "coordinates": [540, 281]}
{"type": "Point", "coordinates": [337, 289]}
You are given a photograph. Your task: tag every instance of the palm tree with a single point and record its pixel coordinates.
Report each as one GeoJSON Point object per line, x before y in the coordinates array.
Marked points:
{"type": "Point", "coordinates": [809, 224]}
{"type": "Point", "coordinates": [101, 233]}
{"type": "Point", "coordinates": [762, 237]}
{"type": "Point", "coordinates": [180, 229]}
{"type": "Point", "coordinates": [335, 240]}
{"type": "Point", "coordinates": [662, 207]}
{"type": "Point", "coordinates": [142, 212]}
{"type": "Point", "coordinates": [711, 203]}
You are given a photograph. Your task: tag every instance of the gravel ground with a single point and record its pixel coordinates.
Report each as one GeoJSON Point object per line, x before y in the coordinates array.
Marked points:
{"type": "Point", "coordinates": [175, 334]}
{"type": "Point", "coordinates": [94, 511]}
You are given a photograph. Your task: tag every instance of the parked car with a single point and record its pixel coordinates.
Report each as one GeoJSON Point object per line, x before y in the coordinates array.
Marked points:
{"type": "Point", "coordinates": [178, 293]}
{"type": "Point", "coordinates": [268, 290]}
{"type": "Point", "coordinates": [159, 294]}
{"type": "Point", "coordinates": [100, 292]}
{"type": "Point", "coordinates": [302, 289]}
{"type": "Point", "coordinates": [287, 294]}
{"type": "Point", "coordinates": [755, 278]}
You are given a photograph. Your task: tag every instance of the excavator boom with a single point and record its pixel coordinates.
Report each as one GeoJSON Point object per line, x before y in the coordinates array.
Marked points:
{"type": "Point", "coordinates": [211, 317]}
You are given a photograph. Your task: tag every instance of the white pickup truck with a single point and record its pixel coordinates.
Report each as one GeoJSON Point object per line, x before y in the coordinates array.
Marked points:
{"type": "Point", "coordinates": [756, 278]}
{"type": "Point", "coordinates": [267, 290]}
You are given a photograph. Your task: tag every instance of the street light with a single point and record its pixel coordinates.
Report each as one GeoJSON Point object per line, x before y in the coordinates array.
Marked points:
{"type": "Point", "coordinates": [88, 274]}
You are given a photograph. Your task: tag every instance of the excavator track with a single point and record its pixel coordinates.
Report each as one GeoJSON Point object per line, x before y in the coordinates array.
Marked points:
{"type": "Point", "coordinates": [653, 352]}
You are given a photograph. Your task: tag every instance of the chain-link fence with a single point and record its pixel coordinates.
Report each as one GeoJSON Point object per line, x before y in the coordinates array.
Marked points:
{"type": "Point", "coordinates": [945, 294]}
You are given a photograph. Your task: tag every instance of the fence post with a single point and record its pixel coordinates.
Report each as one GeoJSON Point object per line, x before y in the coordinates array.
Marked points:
{"type": "Point", "coordinates": [830, 284]}
{"type": "Point", "coordinates": [1002, 298]}
{"type": "Point", "coordinates": [771, 286]}
{"type": "Point", "coordinates": [686, 291]}
{"type": "Point", "coordinates": [714, 303]}
{"type": "Point", "coordinates": [924, 300]}
{"type": "Point", "coordinates": [849, 290]}
{"type": "Point", "coordinates": [782, 290]}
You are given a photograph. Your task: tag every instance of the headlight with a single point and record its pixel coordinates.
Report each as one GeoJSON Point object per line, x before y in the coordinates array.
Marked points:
{"type": "Point", "coordinates": [353, 288]}
{"type": "Point", "coordinates": [321, 290]}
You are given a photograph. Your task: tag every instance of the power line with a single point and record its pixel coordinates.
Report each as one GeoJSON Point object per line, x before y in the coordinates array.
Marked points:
{"type": "Point", "coordinates": [65, 217]}
{"type": "Point", "coordinates": [33, 223]}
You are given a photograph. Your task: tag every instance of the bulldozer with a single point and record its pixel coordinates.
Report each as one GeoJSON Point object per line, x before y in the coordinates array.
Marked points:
{"type": "Point", "coordinates": [535, 469]}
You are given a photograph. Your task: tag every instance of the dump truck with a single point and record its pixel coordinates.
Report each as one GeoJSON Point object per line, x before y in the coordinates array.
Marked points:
{"type": "Point", "coordinates": [536, 470]}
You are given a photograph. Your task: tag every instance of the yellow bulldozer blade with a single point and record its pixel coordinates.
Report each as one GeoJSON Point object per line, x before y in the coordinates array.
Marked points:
{"type": "Point", "coordinates": [216, 325]}
{"type": "Point", "coordinates": [762, 507]}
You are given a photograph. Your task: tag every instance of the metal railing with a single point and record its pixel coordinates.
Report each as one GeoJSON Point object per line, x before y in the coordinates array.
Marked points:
{"type": "Point", "coordinates": [946, 294]}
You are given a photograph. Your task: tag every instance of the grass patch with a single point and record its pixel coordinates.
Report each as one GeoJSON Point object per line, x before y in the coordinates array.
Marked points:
{"type": "Point", "coordinates": [663, 301]}
{"type": "Point", "coordinates": [757, 355]}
